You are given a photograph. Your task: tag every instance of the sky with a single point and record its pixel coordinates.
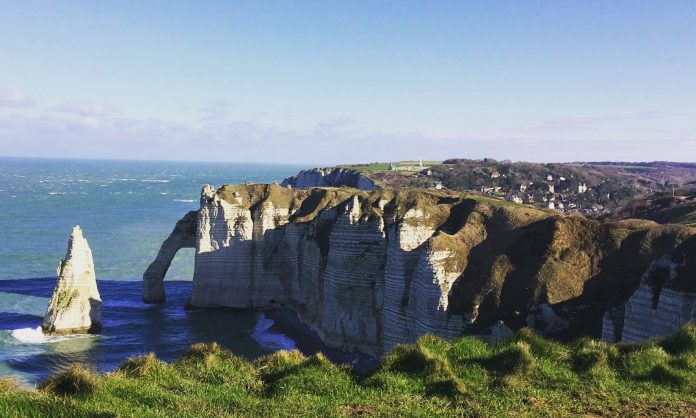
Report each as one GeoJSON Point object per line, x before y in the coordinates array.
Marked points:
{"type": "Point", "coordinates": [329, 82]}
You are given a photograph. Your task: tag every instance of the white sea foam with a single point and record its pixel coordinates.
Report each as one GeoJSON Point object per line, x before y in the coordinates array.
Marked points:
{"type": "Point", "coordinates": [179, 200]}
{"type": "Point", "coordinates": [36, 336]}
{"type": "Point", "coordinates": [155, 181]}
{"type": "Point", "coordinates": [164, 193]}
{"type": "Point", "coordinates": [56, 193]}
{"type": "Point", "coordinates": [270, 340]}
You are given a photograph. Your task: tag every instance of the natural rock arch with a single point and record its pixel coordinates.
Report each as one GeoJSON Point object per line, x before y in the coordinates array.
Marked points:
{"type": "Point", "coordinates": [183, 236]}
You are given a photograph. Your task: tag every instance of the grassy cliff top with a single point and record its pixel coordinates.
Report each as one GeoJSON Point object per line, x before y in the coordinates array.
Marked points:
{"type": "Point", "coordinates": [525, 376]}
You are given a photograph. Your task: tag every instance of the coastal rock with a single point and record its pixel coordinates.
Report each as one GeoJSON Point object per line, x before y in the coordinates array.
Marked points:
{"type": "Point", "coordinates": [370, 269]}
{"type": "Point", "coordinates": [75, 305]}
{"type": "Point", "coordinates": [659, 307]}
{"type": "Point", "coordinates": [329, 177]}
{"type": "Point", "coordinates": [183, 236]}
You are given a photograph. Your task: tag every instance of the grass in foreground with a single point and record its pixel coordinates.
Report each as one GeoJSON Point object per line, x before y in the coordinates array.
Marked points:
{"type": "Point", "coordinates": [524, 376]}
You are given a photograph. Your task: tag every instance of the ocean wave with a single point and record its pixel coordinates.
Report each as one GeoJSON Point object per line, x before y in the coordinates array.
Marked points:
{"type": "Point", "coordinates": [155, 181]}
{"type": "Point", "coordinates": [184, 200]}
{"type": "Point", "coordinates": [36, 336]}
{"type": "Point", "coordinates": [164, 193]}
{"type": "Point", "coordinates": [56, 193]}
{"type": "Point", "coordinates": [270, 340]}
{"type": "Point", "coordinates": [126, 304]}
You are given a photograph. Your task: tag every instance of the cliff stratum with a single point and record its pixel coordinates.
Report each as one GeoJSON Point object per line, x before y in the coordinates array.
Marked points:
{"type": "Point", "coordinates": [370, 269]}
{"type": "Point", "coordinates": [329, 177]}
{"type": "Point", "coordinates": [75, 306]}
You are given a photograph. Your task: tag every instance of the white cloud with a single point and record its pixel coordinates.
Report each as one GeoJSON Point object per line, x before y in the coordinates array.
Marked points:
{"type": "Point", "coordinates": [88, 109]}
{"type": "Point", "coordinates": [216, 111]}
{"type": "Point", "coordinates": [330, 141]}
{"type": "Point", "coordinates": [14, 98]}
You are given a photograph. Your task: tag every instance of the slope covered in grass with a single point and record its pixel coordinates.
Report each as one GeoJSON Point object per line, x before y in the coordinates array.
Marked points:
{"type": "Point", "coordinates": [524, 376]}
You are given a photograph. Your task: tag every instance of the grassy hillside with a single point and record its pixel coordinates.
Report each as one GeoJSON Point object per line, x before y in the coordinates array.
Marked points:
{"type": "Point", "coordinates": [662, 209]}
{"type": "Point", "coordinates": [523, 376]}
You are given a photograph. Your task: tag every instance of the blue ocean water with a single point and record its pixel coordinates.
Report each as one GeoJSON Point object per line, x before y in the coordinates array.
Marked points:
{"type": "Point", "coordinates": [126, 209]}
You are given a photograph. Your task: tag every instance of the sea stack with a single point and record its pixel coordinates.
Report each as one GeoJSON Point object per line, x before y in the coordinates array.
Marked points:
{"type": "Point", "coordinates": [75, 305]}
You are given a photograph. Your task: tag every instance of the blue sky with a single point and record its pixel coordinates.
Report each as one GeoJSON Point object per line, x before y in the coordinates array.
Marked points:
{"type": "Point", "coordinates": [325, 82]}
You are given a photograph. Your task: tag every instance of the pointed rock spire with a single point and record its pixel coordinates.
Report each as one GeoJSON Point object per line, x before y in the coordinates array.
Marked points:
{"type": "Point", "coordinates": [75, 305]}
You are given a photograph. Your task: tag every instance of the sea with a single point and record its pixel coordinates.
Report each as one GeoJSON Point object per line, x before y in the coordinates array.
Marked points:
{"type": "Point", "coordinates": [125, 209]}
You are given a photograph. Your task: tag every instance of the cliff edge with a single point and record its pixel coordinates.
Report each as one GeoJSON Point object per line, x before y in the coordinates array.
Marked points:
{"type": "Point", "coordinates": [370, 269]}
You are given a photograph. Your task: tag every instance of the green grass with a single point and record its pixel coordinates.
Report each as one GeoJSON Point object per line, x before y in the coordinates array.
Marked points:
{"type": "Point", "coordinates": [384, 166]}
{"type": "Point", "coordinates": [526, 376]}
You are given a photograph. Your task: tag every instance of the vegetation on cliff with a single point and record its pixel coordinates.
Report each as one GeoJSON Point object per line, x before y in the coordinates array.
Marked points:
{"type": "Point", "coordinates": [590, 188]}
{"type": "Point", "coordinates": [661, 209]}
{"type": "Point", "coordinates": [523, 376]}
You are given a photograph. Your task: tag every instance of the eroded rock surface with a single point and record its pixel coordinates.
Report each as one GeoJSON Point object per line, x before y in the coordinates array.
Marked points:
{"type": "Point", "coordinates": [329, 177]}
{"type": "Point", "coordinates": [183, 236]}
{"type": "Point", "coordinates": [659, 307]}
{"type": "Point", "coordinates": [75, 306]}
{"type": "Point", "coordinates": [370, 269]}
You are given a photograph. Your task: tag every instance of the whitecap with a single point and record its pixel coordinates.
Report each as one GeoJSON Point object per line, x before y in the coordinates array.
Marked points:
{"type": "Point", "coordinates": [155, 181]}
{"type": "Point", "coordinates": [270, 340]}
{"type": "Point", "coordinates": [164, 193]}
{"type": "Point", "coordinates": [56, 193]}
{"type": "Point", "coordinates": [36, 336]}
{"type": "Point", "coordinates": [184, 200]}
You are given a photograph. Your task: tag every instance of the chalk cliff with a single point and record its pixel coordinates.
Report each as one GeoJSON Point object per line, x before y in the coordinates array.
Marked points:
{"type": "Point", "coordinates": [183, 236]}
{"type": "Point", "coordinates": [75, 306]}
{"type": "Point", "coordinates": [663, 302]}
{"type": "Point", "coordinates": [370, 269]}
{"type": "Point", "coordinates": [329, 177]}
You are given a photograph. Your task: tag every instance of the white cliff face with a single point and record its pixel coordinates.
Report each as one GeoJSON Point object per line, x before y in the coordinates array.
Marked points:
{"type": "Point", "coordinates": [75, 306]}
{"type": "Point", "coordinates": [329, 177]}
{"type": "Point", "coordinates": [339, 270]}
{"type": "Point", "coordinates": [654, 309]}
{"type": "Point", "coordinates": [369, 270]}
{"type": "Point", "coordinates": [183, 236]}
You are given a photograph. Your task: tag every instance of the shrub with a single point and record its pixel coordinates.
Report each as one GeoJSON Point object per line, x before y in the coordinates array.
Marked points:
{"type": "Point", "coordinates": [139, 366]}
{"type": "Point", "coordinates": [7, 384]}
{"type": "Point", "coordinates": [641, 362]}
{"type": "Point", "coordinates": [683, 341]}
{"type": "Point", "coordinates": [511, 359]}
{"type": "Point", "coordinates": [76, 380]}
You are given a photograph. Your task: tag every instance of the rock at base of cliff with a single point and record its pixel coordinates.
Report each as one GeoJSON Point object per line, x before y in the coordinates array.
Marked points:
{"type": "Point", "coordinates": [75, 305]}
